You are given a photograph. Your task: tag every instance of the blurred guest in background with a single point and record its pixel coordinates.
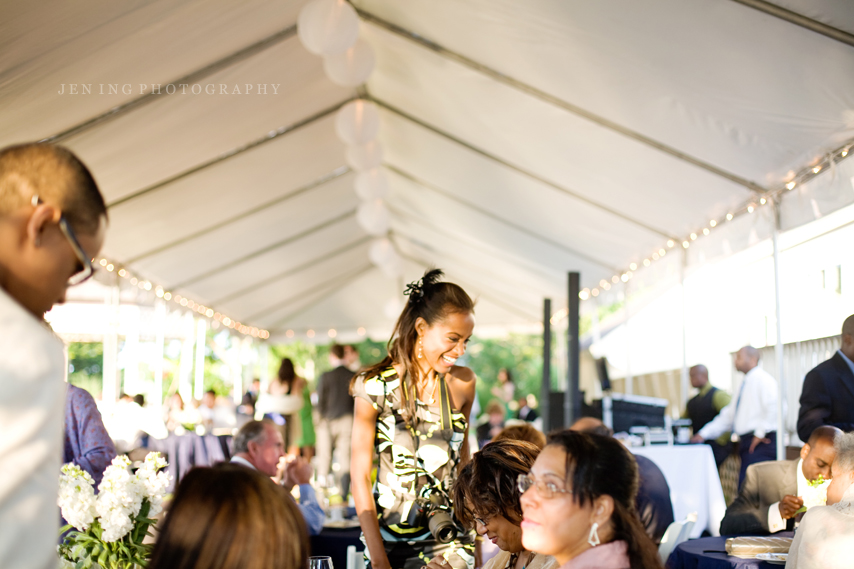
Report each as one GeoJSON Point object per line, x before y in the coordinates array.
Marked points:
{"type": "Point", "coordinates": [335, 424]}
{"type": "Point", "coordinates": [247, 404]}
{"type": "Point", "coordinates": [52, 223]}
{"type": "Point", "coordinates": [489, 428]}
{"type": "Point", "coordinates": [522, 432]}
{"type": "Point", "coordinates": [527, 408]}
{"type": "Point", "coordinates": [827, 396]}
{"type": "Point", "coordinates": [230, 517]}
{"type": "Point", "coordinates": [824, 538]}
{"type": "Point", "coordinates": [704, 407]}
{"type": "Point", "coordinates": [288, 383]}
{"type": "Point", "coordinates": [752, 418]}
{"type": "Point", "coordinates": [87, 443]}
{"type": "Point", "coordinates": [653, 503]}
{"type": "Point", "coordinates": [505, 390]}
{"type": "Point", "coordinates": [578, 504]}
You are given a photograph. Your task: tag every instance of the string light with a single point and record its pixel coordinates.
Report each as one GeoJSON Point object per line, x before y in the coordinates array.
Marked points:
{"type": "Point", "coordinates": [361, 331]}
{"type": "Point", "coordinates": [289, 333]}
{"type": "Point", "coordinates": [615, 279]}
{"type": "Point", "coordinates": [310, 333]}
{"type": "Point", "coordinates": [606, 285]}
{"type": "Point", "coordinates": [798, 178]}
{"type": "Point", "coordinates": [584, 294]}
{"type": "Point", "coordinates": [332, 333]}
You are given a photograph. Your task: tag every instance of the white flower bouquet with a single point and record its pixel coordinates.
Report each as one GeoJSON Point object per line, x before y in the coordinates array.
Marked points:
{"type": "Point", "coordinates": [107, 529]}
{"type": "Point", "coordinates": [815, 493]}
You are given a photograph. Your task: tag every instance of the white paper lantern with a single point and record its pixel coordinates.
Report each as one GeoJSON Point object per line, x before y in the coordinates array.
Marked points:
{"type": "Point", "coordinates": [351, 68]}
{"type": "Point", "coordinates": [328, 27]}
{"type": "Point", "coordinates": [380, 251]}
{"type": "Point", "coordinates": [364, 156]}
{"type": "Point", "coordinates": [357, 122]}
{"type": "Point", "coordinates": [371, 185]}
{"type": "Point", "coordinates": [373, 217]}
{"type": "Point", "coordinates": [393, 267]}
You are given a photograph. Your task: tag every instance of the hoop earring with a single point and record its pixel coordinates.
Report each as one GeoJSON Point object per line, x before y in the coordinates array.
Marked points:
{"type": "Point", "coordinates": [593, 538]}
{"type": "Point", "coordinates": [420, 345]}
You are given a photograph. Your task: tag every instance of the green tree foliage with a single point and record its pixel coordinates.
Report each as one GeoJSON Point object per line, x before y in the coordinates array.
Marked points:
{"type": "Point", "coordinates": [84, 366]}
{"type": "Point", "coordinates": [522, 354]}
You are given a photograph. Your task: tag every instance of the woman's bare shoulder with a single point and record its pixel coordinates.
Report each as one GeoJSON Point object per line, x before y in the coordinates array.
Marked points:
{"type": "Point", "coordinates": [462, 374]}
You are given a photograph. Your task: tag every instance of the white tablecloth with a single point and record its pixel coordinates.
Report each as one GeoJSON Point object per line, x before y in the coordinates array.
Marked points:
{"type": "Point", "coordinates": [694, 483]}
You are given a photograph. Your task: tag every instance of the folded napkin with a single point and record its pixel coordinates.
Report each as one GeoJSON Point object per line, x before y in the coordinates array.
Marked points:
{"type": "Point", "coordinates": [748, 547]}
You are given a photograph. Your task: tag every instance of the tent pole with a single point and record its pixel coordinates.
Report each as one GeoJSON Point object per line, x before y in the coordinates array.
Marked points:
{"type": "Point", "coordinates": [778, 351]}
{"type": "Point", "coordinates": [156, 397]}
{"type": "Point", "coordinates": [199, 386]}
{"type": "Point", "coordinates": [684, 383]}
{"type": "Point", "coordinates": [572, 396]}
{"type": "Point", "coordinates": [546, 387]}
{"type": "Point", "coordinates": [629, 378]}
{"type": "Point", "coordinates": [111, 385]}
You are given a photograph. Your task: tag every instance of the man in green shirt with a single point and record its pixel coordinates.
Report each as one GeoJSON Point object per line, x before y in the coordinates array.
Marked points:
{"type": "Point", "coordinates": [704, 407]}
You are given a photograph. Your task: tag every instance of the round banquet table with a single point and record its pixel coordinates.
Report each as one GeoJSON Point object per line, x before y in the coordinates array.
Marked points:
{"type": "Point", "coordinates": [334, 541]}
{"type": "Point", "coordinates": [710, 553]}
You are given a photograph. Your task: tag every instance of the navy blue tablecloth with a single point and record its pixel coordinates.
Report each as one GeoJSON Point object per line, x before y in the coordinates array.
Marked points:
{"type": "Point", "coordinates": [333, 542]}
{"type": "Point", "coordinates": [710, 553]}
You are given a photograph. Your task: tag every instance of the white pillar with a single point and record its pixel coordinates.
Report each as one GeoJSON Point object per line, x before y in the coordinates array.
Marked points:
{"type": "Point", "coordinates": [156, 397]}
{"type": "Point", "coordinates": [629, 377]}
{"type": "Point", "coordinates": [110, 392]}
{"type": "Point", "coordinates": [131, 352]}
{"type": "Point", "coordinates": [264, 364]}
{"type": "Point", "coordinates": [185, 382]}
{"type": "Point", "coordinates": [201, 332]}
{"type": "Point", "coordinates": [778, 351]}
{"type": "Point", "coordinates": [235, 358]}
{"type": "Point", "coordinates": [684, 383]}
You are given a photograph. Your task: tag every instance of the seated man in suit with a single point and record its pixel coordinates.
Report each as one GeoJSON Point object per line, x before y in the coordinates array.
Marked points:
{"type": "Point", "coordinates": [653, 502]}
{"type": "Point", "coordinates": [827, 397]}
{"type": "Point", "coordinates": [259, 445]}
{"type": "Point", "coordinates": [772, 492]}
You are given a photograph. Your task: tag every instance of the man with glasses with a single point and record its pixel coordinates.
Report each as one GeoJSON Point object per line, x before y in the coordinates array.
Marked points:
{"type": "Point", "coordinates": [52, 223]}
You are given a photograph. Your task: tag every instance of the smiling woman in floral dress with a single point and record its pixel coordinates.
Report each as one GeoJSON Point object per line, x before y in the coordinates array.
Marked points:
{"type": "Point", "coordinates": [412, 409]}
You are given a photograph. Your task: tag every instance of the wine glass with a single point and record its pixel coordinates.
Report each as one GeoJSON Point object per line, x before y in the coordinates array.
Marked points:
{"type": "Point", "coordinates": [321, 562]}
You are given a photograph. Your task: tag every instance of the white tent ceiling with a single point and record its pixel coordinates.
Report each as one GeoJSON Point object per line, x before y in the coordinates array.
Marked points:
{"type": "Point", "coordinates": [522, 139]}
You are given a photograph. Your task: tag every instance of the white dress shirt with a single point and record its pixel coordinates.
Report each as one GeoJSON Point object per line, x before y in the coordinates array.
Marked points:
{"type": "Point", "coordinates": [757, 408]}
{"type": "Point", "coordinates": [775, 520]}
{"type": "Point", "coordinates": [32, 371]}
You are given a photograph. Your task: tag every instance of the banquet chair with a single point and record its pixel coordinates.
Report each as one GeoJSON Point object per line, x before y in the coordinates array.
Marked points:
{"type": "Point", "coordinates": [676, 533]}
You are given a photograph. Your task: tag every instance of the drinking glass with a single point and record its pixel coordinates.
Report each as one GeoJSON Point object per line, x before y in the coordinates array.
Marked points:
{"type": "Point", "coordinates": [323, 562]}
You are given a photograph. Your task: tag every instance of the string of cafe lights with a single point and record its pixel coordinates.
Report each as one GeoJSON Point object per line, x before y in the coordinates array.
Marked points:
{"type": "Point", "coordinates": [183, 301]}
{"type": "Point", "coordinates": [800, 178]}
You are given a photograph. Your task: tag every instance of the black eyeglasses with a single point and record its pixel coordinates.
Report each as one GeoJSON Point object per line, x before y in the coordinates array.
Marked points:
{"type": "Point", "coordinates": [545, 489]}
{"type": "Point", "coordinates": [87, 268]}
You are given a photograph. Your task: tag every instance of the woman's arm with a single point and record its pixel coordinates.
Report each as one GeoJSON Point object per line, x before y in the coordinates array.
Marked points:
{"type": "Point", "coordinates": [462, 388]}
{"type": "Point", "coordinates": [361, 463]}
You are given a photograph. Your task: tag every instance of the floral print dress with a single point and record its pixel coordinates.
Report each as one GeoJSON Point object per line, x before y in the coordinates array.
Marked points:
{"type": "Point", "coordinates": [415, 462]}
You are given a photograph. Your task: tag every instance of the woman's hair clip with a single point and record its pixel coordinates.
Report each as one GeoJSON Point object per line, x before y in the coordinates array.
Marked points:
{"type": "Point", "coordinates": [415, 291]}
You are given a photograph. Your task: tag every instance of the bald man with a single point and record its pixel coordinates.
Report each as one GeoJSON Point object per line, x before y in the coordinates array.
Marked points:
{"type": "Point", "coordinates": [827, 397]}
{"type": "Point", "coordinates": [52, 223]}
{"type": "Point", "coordinates": [653, 502]}
{"type": "Point", "coordinates": [773, 491]}
{"type": "Point", "coordinates": [752, 417]}
{"type": "Point", "coordinates": [704, 407]}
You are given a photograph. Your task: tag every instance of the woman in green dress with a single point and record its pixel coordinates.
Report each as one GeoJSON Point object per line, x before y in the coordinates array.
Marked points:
{"type": "Point", "coordinates": [412, 411]}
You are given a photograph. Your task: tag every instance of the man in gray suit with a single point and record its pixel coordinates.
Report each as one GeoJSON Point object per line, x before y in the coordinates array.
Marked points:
{"type": "Point", "coordinates": [773, 491]}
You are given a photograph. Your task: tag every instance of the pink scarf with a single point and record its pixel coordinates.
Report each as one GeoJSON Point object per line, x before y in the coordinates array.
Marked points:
{"type": "Point", "coordinates": [607, 556]}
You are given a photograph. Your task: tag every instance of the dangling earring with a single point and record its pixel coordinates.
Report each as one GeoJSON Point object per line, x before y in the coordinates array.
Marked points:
{"type": "Point", "coordinates": [593, 538]}
{"type": "Point", "coordinates": [420, 345]}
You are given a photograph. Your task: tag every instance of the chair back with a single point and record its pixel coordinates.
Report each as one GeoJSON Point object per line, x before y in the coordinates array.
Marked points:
{"type": "Point", "coordinates": [676, 533]}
